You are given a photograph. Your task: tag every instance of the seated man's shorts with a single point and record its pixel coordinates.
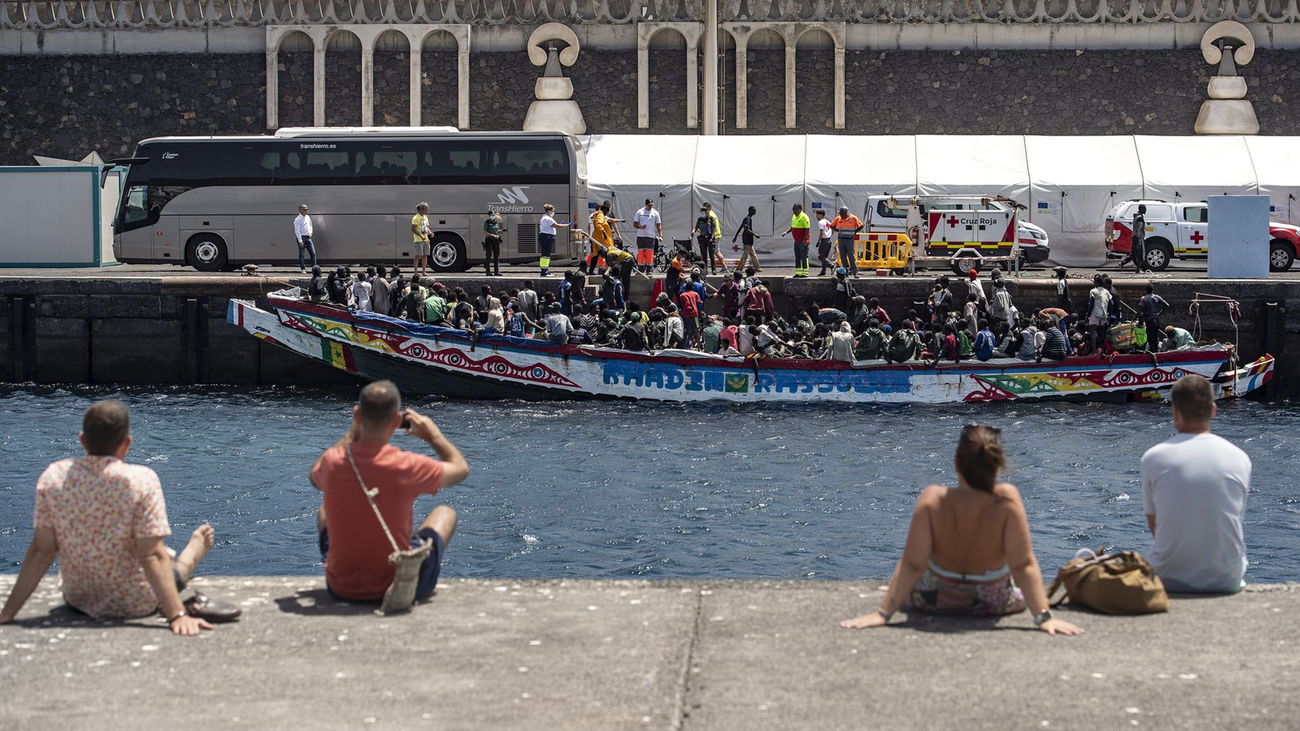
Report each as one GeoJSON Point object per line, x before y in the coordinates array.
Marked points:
{"type": "Point", "coordinates": [429, 569]}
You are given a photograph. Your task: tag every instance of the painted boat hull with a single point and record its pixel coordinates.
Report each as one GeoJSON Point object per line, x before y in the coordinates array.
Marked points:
{"type": "Point", "coordinates": [441, 361]}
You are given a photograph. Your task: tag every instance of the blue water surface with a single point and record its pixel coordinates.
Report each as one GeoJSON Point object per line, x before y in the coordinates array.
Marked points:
{"type": "Point", "coordinates": [622, 490]}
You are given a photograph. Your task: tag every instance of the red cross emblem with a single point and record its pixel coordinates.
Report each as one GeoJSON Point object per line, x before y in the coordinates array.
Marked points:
{"type": "Point", "coordinates": [952, 221]}
{"type": "Point", "coordinates": [1197, 237]}
{"type": "Point", "coordinates": [735, 248]}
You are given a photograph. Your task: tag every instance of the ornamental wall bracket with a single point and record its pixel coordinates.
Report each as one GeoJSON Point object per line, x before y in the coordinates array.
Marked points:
{"type": "Point", "coordinates": [1227, 112]}
{"type": "Point", "coordinates": [554, 109]}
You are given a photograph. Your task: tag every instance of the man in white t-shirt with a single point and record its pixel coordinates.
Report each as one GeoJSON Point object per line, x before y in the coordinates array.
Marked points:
{"type": "Point", "coordinates": [1194, 487]}
{"type": "Point", "coordinates": [302, 233]}
{"type": "Point", "coordinates": [825, 240]}
{"type": "Point", "coordinates": [649, 229]}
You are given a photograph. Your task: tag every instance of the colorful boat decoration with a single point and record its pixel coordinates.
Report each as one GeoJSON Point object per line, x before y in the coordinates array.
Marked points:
{"type": "Point", "coordinates": [435, 360]}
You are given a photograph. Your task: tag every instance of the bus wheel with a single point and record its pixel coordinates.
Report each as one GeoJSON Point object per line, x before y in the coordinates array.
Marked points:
{"type": "Point", "coordinates": [206, 252]}
{"type": "Point", "coordinates": [448, 254]}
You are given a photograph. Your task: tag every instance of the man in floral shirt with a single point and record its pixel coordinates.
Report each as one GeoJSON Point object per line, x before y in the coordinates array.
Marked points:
{"type": "Point", "coordinates": [105, 520]}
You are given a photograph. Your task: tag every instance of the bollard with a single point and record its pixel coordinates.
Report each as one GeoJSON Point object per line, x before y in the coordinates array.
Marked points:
{"type": "Point", "coordinates": [190, 338]}
{"type": "Point", "coordinates": [1269, 328]}
{"type": "Point", "coordinates": [16, 338]}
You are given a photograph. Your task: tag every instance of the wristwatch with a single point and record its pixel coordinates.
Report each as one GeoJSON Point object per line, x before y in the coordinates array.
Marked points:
{"type": "Point", "coordinates": [1046, 615]}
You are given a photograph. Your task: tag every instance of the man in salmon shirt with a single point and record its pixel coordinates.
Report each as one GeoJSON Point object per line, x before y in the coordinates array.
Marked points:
{"type": "Point", "coordinates": [847, 225]}
{"type": "Point", "coordinates": [352, 543]}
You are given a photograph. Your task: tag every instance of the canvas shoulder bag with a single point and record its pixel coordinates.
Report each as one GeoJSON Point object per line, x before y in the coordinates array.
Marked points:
{"type": "Point", "coordinates": [1123, 582]}
{"type": "Point", "coordinates": [401, 593]}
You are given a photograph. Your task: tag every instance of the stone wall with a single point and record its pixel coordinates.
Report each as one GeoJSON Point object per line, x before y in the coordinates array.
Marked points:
{"type": "Point", "coordinates": [66, 106]}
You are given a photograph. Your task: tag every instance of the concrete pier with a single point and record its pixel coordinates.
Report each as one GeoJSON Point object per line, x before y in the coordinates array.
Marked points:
{"type": "Point", "coordinates": [658, 655]}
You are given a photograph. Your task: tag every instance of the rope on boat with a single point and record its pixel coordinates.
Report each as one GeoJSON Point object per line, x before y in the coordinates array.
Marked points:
{"type": "Point", "coordinates": [1234, 316]}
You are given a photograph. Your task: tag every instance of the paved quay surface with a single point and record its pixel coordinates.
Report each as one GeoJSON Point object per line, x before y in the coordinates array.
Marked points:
{"type": "Point", "coordinates": [658, 655]}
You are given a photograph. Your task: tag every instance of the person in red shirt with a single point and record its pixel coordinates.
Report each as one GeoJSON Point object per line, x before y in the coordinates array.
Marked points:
{"type": "Point", "coordinates": [689, 301]}
{"type": "Point", "coordinates": [352, 543]}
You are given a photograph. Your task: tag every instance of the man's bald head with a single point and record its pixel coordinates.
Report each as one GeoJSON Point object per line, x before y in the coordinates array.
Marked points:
{"type": "Point", "coordinates": [379, 403]}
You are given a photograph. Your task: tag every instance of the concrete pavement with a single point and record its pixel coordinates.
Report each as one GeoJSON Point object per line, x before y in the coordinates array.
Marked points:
{"type": "Point", "coordinates": [660, 655]}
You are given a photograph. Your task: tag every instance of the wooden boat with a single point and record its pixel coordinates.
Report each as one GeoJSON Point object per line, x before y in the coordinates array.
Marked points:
{"type": "Point", "coordinates": [427, 359]}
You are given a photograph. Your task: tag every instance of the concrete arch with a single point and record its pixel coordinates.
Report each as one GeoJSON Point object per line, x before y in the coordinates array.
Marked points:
{"type": "Point", "coordinates": [275, 37]}
{"type": "Point", "coordinates": [419, 34]}
{"type": "Point", "coordinates": [288, 104]}
{"type": "Point", "coordinates": [797, 34]}
{"type": "Point", "coordinates": [388, 46]}
{"type": "Point", "coordinates": [790, 34]}
{"type": "Point", "coordinates": [367, 35]}
{"type": "Point", "coordinates": [690, 32]}
{"type": "Point", "coordinates": [345, 54]}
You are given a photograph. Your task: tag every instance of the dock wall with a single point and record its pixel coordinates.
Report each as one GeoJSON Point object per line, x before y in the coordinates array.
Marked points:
{"type": "Point", "coordinates": [172, 331]}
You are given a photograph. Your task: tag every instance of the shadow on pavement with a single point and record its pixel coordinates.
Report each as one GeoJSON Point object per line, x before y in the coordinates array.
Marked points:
{"type": "Point", "coordinates": [318, 602]}
{"type": "Point", "coordinates": [956, 624]}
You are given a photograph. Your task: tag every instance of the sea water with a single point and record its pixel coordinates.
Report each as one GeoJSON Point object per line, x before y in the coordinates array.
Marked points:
{"type": "Point", "coordinates": [641, 490]}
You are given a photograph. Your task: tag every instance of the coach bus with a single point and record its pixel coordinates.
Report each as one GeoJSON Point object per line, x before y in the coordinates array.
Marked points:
{"type": "Point", "coordinates": [215, 203]}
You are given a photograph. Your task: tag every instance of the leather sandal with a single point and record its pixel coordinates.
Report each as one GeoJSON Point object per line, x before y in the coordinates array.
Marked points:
{"type": "Point", "coordinates": [216, 612]}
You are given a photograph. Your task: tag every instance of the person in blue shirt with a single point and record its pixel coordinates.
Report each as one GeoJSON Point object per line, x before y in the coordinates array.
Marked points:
{"type": "Point", "coordinates": [611, 292]}
{"type": "Point", "coordinates": [984, 341]}
{"type": "Point", "coordinates": [566, 293]}
{"type": "Point", "coordinates": [697, 284]}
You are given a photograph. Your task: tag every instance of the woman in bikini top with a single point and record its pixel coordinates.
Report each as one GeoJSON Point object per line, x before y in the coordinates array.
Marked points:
{"type": "Point", "coordinates": [968, 549]}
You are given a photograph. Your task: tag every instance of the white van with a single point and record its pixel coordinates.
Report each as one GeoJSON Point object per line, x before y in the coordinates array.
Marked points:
{"type": "Point", "coordinates": [888, 214]}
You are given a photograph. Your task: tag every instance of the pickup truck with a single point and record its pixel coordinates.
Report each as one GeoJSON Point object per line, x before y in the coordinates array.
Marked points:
{"type": "Point", "coordinates": [1179, 230]}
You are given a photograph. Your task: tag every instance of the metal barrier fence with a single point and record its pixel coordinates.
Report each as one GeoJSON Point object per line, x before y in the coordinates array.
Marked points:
{"type": "Point", "coordinates": [883, 251]}
{"type": "Point", "coordinates": [163, 14]}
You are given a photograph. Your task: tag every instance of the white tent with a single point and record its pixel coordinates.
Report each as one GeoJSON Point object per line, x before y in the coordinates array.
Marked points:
{"type": "Point", "coordinates": [1277, 168]}
{"type": "Point", "coordinates": [973, 164]}
{"type": "Point", "coordinates": [1191, 168]}
{"type": "Point", "coordinates": [1076, 181]}
{"type": "Point", "coordinates": [628, 169]}
{"type": "Point", "coordinates": [766, 172]}
{"type": "Point", "coordinates": [845, 170]}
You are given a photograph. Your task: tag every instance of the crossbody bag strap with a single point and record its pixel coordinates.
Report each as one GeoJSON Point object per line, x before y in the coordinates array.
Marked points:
{"type": "Point", "coordinates": [370, 499]}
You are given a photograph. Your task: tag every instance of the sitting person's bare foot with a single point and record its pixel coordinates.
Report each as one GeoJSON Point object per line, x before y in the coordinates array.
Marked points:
{"type": "Point", "coordinates": [198, 547]}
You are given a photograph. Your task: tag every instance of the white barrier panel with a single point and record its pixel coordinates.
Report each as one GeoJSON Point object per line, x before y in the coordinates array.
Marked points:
{"type": "Point", "coordinates": [56, 217]}
{"type": "Point", "coordinates": [1238, 236]}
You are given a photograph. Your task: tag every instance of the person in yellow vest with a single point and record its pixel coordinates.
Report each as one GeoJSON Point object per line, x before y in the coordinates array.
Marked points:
{"type": "Point", "coordinates": [799, 228]}
{"type": "Point", "coordinates": [601, 235]}
{"type": "Point", "coordinates": [713, 256]}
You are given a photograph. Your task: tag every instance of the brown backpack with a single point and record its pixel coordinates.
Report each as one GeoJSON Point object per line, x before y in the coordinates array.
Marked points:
{"type": "Point", "coordinates": [1117, 583]}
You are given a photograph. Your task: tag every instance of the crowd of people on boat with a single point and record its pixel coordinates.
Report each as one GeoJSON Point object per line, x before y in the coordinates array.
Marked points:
{"type": "Point", "coordinates": [849, 327]}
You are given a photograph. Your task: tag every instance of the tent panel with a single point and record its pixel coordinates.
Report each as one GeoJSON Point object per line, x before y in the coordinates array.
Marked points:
{"type": "Point", "coordinates": [1191, 168]}
{"type": "Point", "coordinates": [1277, 167]}
{"type": "Point", "coordinates": [972, 165]}
{"type": "Point", "coordinates": [842, 170]}
{"type": "Point", "coordinates": [766, 172]}
{"type": "Point", "coordinates": [1076, 181]}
